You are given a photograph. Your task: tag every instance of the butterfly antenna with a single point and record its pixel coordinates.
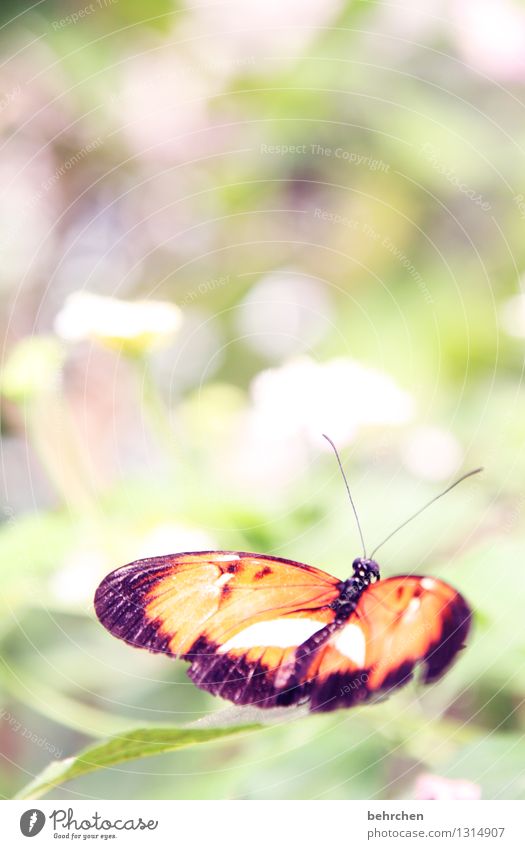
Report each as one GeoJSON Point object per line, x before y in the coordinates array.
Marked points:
{"type": "Point", "coordinates": [421, 509]}
{"type": "Point", "coordinates": [348, 491]}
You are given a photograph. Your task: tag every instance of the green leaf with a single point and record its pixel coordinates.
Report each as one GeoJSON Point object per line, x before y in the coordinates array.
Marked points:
{"type": "Point", "coordinates": [139, 743]}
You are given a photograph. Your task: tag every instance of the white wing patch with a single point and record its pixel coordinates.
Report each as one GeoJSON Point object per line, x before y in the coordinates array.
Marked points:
{"type": "Point", "coordinates": [226, 557]}
{"type": "Point", "coordinates": [224, 578]}
{"type": "Point", "coordinates": [412, 609]}
{"type": "Point", "coordinates": [275, 632]}
{"type": "Point", "coordinates": [350, 641]}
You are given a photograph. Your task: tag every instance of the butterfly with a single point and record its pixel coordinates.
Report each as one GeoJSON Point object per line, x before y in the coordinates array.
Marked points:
{"type": "Point", "coordinates": [272, 632]}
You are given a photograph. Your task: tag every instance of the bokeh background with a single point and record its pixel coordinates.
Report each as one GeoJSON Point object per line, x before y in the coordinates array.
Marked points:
{"type": "Point", "coordinates": [323, 205]}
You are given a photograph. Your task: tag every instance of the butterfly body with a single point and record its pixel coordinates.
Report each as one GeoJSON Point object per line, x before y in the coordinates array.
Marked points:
{"type": "Point", "coordinates": [272, 632]}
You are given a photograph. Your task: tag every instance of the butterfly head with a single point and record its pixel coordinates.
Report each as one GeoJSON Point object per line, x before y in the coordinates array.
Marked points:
{"type": "Point", "coordinates": [365, 569]}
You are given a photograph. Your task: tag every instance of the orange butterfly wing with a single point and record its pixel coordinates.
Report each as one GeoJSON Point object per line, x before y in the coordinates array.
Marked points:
{"type": "Point", "coordinates": [238, 617]}
{"type": "Point", "coordinates": [398, 623]}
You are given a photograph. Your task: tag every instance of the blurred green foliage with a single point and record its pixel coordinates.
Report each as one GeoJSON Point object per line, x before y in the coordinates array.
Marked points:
{"type": "Point", "coordinates": [147, 155]}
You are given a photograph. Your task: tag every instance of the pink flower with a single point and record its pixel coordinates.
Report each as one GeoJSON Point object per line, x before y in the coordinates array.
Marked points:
{"type": "Point", "coordinates": [430, 786]}
{"type": "Point", "coordinates": [492, 36]}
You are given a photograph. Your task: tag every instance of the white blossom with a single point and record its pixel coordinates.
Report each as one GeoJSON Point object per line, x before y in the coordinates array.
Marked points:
{"type": "Point", "coordinates": [294, 404]}
{"type": "Point", "coordinates": [135, 326]}
{"type": "Point", "coordinates": [337, 397]}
